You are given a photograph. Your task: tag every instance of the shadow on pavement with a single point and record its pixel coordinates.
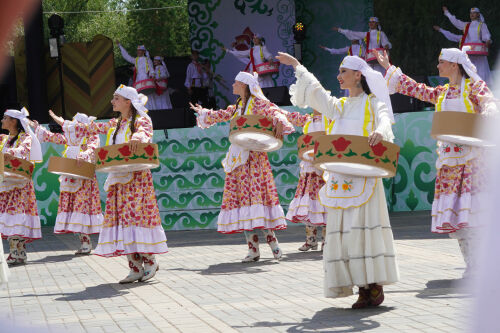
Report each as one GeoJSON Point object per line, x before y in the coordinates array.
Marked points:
{"type": "Point", "coordinates": [230, 268]}
{"type": "Point", "coordinates": [302, 256]}
{"type": "Point", "coordinates": [447, 288]}
{"type": "Point", "coordinates": [52, 259]}
{"type": "Point", "coordinates": [105, 290]}
{"type": "Point", "coordinates": [332, 318]}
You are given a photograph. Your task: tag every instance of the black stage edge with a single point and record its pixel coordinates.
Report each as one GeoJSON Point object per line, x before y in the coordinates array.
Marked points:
{"type": "Point", "coordinates": [35, 68]}
{"type": "Point", "coordinates": [277, 95]}
{"type": "Point", "coordinates": [175, 118]}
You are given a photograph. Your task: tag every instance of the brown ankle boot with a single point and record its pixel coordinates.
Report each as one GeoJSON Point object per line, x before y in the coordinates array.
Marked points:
{"type": "Point", "coordinates": [376, 294]}
{"type": "Point", "coordinates": [363, 299]}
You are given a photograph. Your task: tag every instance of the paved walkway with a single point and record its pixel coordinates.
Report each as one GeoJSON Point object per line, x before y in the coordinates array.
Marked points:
{"type": "Point", "coordinates": [203, 287]}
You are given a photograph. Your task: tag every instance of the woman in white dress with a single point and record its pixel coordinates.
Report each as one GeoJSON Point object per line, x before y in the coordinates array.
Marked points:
{"type": "Point", "coordinates": [256, 55]}
{"type": "Point", "coordinates": [359, 248]}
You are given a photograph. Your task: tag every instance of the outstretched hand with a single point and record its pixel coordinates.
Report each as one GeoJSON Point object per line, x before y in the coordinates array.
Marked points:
{"type": "Point", "coordinates": [57, 119]}
{"type": "Point", "coordinates": [436, 27]}
{"type": "Point", "coordinates": [383, 59]}
{"type": "Point", "coordinates": [335, 28]}
{"type": "Point", "coordinates": [323, 47]}
{"type": "Point", "coordinates": [33, 123]}
{"type": "Point", "coordinates": [445, 9]}
{"type": "Point", "coordinates": [195, 108]}
{"type": "Point", "coordinates": [287, 59]}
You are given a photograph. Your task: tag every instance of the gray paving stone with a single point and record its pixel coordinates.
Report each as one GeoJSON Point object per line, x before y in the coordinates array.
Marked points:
{"type": "Point", "coordinates": [203, 287]}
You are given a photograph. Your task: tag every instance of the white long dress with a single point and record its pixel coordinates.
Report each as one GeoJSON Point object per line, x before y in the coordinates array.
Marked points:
{"type": "Point", "coordinates": [143, 67]}
{"type": "Point", "coordinates": [162, 101]}
{"type": "Point", "coordinates": [478, 33]}
{"type": "Point", "coordinates": [359, 247]}
{"type": "Point", "coordinates": [260, 55]}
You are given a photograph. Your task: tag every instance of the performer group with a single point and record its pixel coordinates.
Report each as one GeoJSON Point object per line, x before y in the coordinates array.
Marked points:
{"type": "Point", "coordinates": [357, 239]}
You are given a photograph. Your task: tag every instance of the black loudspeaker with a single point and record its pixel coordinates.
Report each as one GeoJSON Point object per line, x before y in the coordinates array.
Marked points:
{"type": "Point", "coordinates": [175, 118]}
{"type": "Point", "coordinates": [402, 103]}
{"type": "Point", "coordinates": [277, 95]}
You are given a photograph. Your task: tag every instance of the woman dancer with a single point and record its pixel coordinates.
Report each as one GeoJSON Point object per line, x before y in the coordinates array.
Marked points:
{"type": "Point", "coordinates": [79, 209]}
{"type": "Point", "coordinates": [132, 223]}
{"type": "Point", "coordinates": [359, 246]}
{"type": "Point", "coordinates": [19, 220]}
{"type": "Point", "coordinates": [459, 179]}
{"type": "Point", "coordinates": [250, 200]}
{"type": "Point", "coordinates": [305, 207]}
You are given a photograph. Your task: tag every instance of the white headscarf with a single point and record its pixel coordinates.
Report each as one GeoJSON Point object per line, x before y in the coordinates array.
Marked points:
{"type": "Point", "coordinates": [461, 57]}
{"type": "Point", "coordinates": [36, 149]}
{"type": "Point", "coordinates": [375, 19]}
{"type": "Point", "coordinates": [476, 10]}
{"type": "Point", "coordinates": [138, 100]}
{"type": "Point", "coordinates": [141, 47]}
{"type": "Point", "coordinates": [83, 118]}
{"type": "Point", "coordinates": [375, 80]}
{"type": "Point", "coordinates": [161, 59]}
{"type": "Point", "coordinates": [253, 83]}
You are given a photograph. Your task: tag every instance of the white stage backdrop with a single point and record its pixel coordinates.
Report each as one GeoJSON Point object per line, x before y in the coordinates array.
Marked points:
{"type": "Point", "coordinates": [218, 23]}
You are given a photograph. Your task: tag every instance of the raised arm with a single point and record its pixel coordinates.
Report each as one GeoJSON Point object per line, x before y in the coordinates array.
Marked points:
{"type": "Point", "coordinates": [352, 34]}
{"type": "Point", "coordinates": [460, 25]}
{"type": "Point", "coordinates": [44, 135]}
{"type": "Point", "coordinates": [207, 117]}
{"type": "Point", "coordinates": [398, 82]}
{"type": "Point", "coordinates": [307, 91]}
{"type": "Point", "coordinates": [270, 110]}
{"type": "Point", "coordinates": [343, 50]}
{"type": "Point", "coordinates": [450, 36]}
{"type": "Point", "coordinates": [298, 119]}
{"type": "Point", "coordinates": [240, 54]}
{"type": "Point", "coordinates": [77, 131]}
{"type": "Point", "coordinates": [125, 54]}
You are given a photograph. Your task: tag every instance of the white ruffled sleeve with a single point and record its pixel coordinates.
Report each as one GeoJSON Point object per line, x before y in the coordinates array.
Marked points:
{"type": "Point", "coordinates": [201, 120]}
{"type": "Point", "coordinates": [392, 77]}
{"type": "Point", "coordinates": [308, 91]}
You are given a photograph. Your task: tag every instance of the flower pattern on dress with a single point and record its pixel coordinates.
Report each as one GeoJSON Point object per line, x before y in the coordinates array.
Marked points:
{"type": "Point", "coordinates": [478, 93]}
{"type": "Point", "coordinates": [261, 107]}
{"type": "Point", "coordinates": [309, 185]}
{"type": "Point", "coordinates": [21, 148]}
{"type": "Point", "coordinates": [133, 204]}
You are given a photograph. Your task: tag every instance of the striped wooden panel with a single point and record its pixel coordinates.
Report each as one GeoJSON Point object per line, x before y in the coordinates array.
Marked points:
{"type": "Point", "coordinates": [88, 78]}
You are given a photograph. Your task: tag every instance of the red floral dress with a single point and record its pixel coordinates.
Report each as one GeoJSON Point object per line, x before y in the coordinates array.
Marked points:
{"type": "Point", "coordinates": [460, 171]}
{"type": "Point", "coordinates": [305, 206]}
{"type": "Point", "coordinates": [132, 222]}
{"type": "Point", "coordinates": [18, 208]}
{"type": "Point", "coordinates": [79, 200]}
{"type": "Point", "coordinates": [250, 199]}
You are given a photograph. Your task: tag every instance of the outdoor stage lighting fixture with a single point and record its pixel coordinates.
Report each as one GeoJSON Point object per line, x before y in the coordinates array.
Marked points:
{"type": "Point", "coordinates": [56, 25]}
{"type": "Point", "coordinates": [299, 32]}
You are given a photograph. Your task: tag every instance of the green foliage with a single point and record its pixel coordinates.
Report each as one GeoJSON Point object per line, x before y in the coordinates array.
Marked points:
{"type": "Point", "coordinates": [164, 32]}
{"type": "Point", "coordinates": [416, 45]}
